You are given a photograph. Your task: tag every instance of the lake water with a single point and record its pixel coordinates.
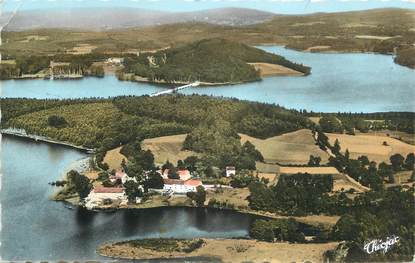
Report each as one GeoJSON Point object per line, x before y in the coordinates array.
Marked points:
{"type": "Point", "coordinates": [339, 82]}
{"type": "Point", "coordinates": [35, 228]}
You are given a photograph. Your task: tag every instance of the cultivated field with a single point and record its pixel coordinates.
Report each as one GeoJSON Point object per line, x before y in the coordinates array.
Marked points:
{"type": "Point", "coordinates": [290, 148]}
{"type": "Point", "coordinates": [371, 146]}
{"type": "Point", "coordinates": [167, 148]}
{"type": "Point", "coordinates": [402, 136]}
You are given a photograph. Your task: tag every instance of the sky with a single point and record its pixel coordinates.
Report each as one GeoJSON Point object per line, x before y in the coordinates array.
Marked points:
{"type": "Point", "coordinates": [275, 6]}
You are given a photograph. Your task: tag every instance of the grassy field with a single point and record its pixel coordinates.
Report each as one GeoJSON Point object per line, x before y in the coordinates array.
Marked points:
{"type": "Point", "coordinates": [290, 148]}
{"type": "Point", "coordinates": [402, 136]}
{"type": "Point", "coordinates": [371, 146]}
{"type": "Point", "coordinates": [114, 158]}
{"type": "Point", "coordinates": [228, 250]}
{"type": "Point", "coordinates": [237, 197]}
{"type": "Point", "coordinates": [167, 148]}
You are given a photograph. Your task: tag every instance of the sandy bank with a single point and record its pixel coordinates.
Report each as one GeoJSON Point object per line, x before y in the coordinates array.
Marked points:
{"type": "Point", "coordinates": [228, 250]}
{"type": "Point", "coordinates": [267, 69]}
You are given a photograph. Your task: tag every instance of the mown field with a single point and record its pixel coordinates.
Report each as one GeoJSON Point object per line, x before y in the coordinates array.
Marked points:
{"type": "Point", "coordinates": [371, 146]}
{"type": "Point", "coordinates": [290, 148]}
{"type": "Point", "coordinates": [167, 148]}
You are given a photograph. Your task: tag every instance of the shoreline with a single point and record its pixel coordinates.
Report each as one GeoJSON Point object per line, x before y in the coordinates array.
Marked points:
{"type": "Point", "coordinates": [20, 134]}
{"type": "Point", "coordinates": [222, 249]}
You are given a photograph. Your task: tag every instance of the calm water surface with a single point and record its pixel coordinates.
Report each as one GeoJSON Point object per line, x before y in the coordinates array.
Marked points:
{"type": "Point", "coordinates": [36, 228]}
{"type": "Point", "coordinates": [339, 82]}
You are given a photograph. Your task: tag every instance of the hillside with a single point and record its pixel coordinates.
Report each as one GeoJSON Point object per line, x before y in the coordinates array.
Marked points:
{"type": "Point", "coordinates": [209, 60]}
{"type": "Point", "coordinates": [212, 124]}
{"type": "Point", "coordinates": [377, 30]}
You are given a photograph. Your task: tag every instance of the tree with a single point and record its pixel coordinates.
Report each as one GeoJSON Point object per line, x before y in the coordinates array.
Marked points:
{"type": "Point", "coordinates": [180, 165]}
{"type": "Point", "coordinates": [154, 180]}
{"type": "Point", "coordinates": [397, 161]}
{"type": "Point", "coordinates": [262, 230]}
{"type": "Point", "coordinates": [330, 124]}
{"type": "Point", "coordinates": [314, 160]}
{"type": "Point", "coordinates": [81, 183]}
{"type": "Point", "coordinates": [347, 155]}
{"type": "Point", "coordinates": [199, 197]}
{"type": "Point", "coordinates": [132, 190]}
{"type": "Point", "coordinates": [190, 163]}
{"type": "Point", "coordinates": [363, 160]}
{"type": "Point", "coordinates": [385, 170]}
{"type": "Point", "coordinates": [172, 173]}
{"type": "Point", "coordinates": [410, 161]}
{"type": "Point", "coordinates": [57, 121]}
{"type": "Point", "coordinates": [336, 147]}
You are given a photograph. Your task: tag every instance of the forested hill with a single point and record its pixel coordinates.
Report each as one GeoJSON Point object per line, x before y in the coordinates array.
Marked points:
{"type": "Point", "coordinates": [212, 123]}
{"type": "Point", "coordinates": [209, 60]}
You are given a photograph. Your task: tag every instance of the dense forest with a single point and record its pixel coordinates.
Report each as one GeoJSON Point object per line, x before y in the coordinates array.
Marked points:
{"type": "Point", "coordinates": [208, 60]}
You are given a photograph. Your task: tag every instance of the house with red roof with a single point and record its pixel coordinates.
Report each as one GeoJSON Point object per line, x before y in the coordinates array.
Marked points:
{"type": "Point", "coordinates": [120, 175]}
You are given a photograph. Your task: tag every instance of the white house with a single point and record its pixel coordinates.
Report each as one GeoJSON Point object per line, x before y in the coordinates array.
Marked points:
{"type": "Point", "coordinates": [115, 60]}
{"type": "Point", "coordinates": [99, 194]}
{"type": "Point", "coordinates": [178, 186]}
{"type": "Point", "coordinates": [230, 171]}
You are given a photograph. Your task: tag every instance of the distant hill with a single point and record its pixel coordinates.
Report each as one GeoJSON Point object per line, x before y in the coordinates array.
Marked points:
{"type": "Point", "coordinates": [209, 60]}
{"type": "Point", "coordinates": [118, 18]}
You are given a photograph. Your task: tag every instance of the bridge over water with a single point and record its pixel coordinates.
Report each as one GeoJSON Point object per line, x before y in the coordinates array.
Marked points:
{"type": "Point", "coordinates": [194, 84]}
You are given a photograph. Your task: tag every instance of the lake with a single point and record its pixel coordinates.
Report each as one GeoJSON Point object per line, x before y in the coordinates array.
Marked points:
{"type": "Point", "coordinates": [35, 228]}
{"type": "Point", "coordinates": [350, 82]}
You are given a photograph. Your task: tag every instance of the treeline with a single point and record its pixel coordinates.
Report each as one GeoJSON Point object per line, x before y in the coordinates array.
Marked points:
{"type": "Point", "coordinates": [209, 60]}
{"type": "Point", "coordinates": [298, 194]}
{"type": "Point", "coordinates": [364, 122]}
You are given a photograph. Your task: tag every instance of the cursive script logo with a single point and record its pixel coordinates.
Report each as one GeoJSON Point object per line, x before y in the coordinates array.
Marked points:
{"type": "Point", "coordinates": [378, 244]}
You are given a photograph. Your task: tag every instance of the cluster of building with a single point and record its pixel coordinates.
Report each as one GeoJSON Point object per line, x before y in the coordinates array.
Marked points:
{"type": "Point", "coordinates": [102, 195]}
{"type": "Point", "coordinates": [182, 185]}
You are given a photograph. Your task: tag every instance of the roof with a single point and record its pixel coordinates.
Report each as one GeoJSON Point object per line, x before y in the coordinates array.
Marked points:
{"type": "Point", "coordinates": [120, 174]}
{"type": "Point", "coordinates": [173, 181]}
{"type": "Point", "coordinates": [230, 167]}
{"type": "Point", "coordinates": [193, 182]}
{"type": "Point", "coordinates": [183, 172]}
{"type": "Point", "coordinates": [108, 190]}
